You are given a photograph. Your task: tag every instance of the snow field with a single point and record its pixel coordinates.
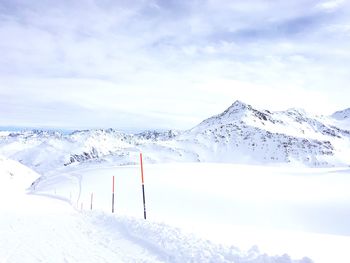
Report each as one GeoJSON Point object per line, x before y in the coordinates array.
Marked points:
{"type": "Point", "coordinates": [299, 211]}
{"type": "Point", "coordinates": [35, 228]}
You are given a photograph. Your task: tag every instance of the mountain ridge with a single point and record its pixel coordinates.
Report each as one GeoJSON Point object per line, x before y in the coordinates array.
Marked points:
{"type": "Point", "coordinates": [240, 134]}
{"type": "Point", "coordinates": [342, 114]}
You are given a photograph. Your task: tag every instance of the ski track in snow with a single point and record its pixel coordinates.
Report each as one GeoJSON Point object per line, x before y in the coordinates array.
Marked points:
{"type": "Point", "coordinates": [66, 237]}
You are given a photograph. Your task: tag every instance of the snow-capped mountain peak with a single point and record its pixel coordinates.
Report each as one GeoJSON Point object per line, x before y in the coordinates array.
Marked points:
{"type": "Point", "coordinates": [237, 108]}
{"type": "Point", "coordinates": [238, 112]}
{"type": "Point", "coordinates": [239, 105]}
{"type": "Point", "coordinates": [258, 135]}
{"type": "Point", "coordinates": [239, 134]}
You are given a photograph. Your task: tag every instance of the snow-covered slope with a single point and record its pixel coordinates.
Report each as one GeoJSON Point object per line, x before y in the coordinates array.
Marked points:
{"type": "Point", "coordinates": [341, 115]}
{"type": "Point", "coordinates": [14, 178]}
{"type": "Point", "coordinates": [241, 134]}
{"type": "Point", "coordinates": [35, 228]}
{"type": "Point", "coordinates": [342, 119]}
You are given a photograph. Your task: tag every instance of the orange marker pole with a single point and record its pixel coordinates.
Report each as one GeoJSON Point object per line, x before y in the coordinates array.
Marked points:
{"type": "Point", "coordinates": [113, 195]}
{"type": "Point", "coordinates": [143, 188]}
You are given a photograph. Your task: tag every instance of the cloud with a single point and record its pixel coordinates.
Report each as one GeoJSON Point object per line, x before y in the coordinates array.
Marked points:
{"type": "Point", "coordinates": [271, 30]}
{"type": "Point", "coordinates": [330, 5]}
{"type": "Point", "coordinates": [148, 58]}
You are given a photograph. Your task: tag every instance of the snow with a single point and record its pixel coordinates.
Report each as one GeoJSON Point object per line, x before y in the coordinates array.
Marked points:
{"type": "Point", "coordinates": [43, 225]}
{"type": "Point", "coordinates": [342, 123]}
{"type": "Point", "coordinates": [295, 210]}
{"type": "Point", "coordinates": [4, 133]}
{"type": "Point", "coordinates": [40, 229]}
{"type": "Point", "coordinates": [341, 119]}
{"type": "Point", "coordinates": [241, 134]}
{"type": "Point", "coordinates": [341, 115]}
{"type": "Point", "coordinates": [241, 186]}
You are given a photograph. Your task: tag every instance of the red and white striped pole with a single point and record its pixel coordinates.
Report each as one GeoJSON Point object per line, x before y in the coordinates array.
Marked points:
{"type": "Point", "coordinates": [143, 188]}
{"type": "Point", "coordinates": [113, 195]}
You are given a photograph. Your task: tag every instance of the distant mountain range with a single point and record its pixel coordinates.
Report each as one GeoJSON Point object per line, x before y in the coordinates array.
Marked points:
{"type": "Point", "coordinates": [241, 134]}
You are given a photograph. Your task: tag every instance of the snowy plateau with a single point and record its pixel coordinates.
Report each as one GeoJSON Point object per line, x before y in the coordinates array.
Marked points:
{"type": "Point", "coordinates": [247, 185]}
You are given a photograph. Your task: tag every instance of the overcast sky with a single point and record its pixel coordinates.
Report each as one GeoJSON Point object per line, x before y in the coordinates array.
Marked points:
{"type": "Point", "coordinates": [144, 64]}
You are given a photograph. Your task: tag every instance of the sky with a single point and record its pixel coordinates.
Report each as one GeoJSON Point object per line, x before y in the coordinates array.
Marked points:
{"type": "Point", "coordinates": [136, 65]}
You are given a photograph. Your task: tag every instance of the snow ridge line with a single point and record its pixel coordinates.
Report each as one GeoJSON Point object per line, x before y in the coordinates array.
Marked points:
{"type": "Point", "coordinates": [172, 245]}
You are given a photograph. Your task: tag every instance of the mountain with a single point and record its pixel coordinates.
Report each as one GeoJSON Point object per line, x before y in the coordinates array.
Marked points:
{"type": "Point", "coordinates": [241, 134]}
{"type": "Point", "coordinates": [245, 134]}
{"type": "Point", "coordinates": [342, 115]}
{"type": "Point", "coordinates": [44, 151]}
{"type": "Point", "coordinates": [341, 119]}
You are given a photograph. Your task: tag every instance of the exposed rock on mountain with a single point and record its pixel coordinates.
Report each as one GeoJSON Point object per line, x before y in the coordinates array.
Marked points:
{"type": "Point", "coordinates": [241, 134]}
